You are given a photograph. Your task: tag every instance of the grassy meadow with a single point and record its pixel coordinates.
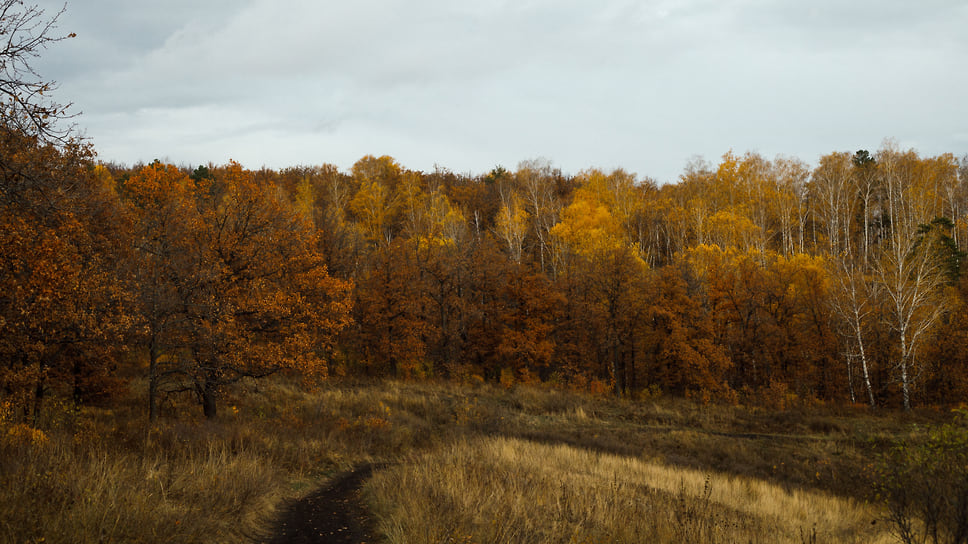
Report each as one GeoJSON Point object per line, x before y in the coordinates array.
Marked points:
{"type": "Point", "coordinates": [462, 464]}
{"type": "Point", "coordinates": [510, 490]}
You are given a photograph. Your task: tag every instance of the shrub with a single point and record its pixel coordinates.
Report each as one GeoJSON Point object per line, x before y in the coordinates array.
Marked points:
{"type": "Point", "coordinates": [925, 485]}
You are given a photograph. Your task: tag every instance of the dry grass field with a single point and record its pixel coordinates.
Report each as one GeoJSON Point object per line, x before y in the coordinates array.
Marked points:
{"type": "Point", "coordinates": [473, 463]}
{"type": "Point", "coordinates": [509, 490]}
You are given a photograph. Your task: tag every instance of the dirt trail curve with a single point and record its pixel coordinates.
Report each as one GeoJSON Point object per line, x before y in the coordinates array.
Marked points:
{"type": "Point", "coordinates": [334, 514]}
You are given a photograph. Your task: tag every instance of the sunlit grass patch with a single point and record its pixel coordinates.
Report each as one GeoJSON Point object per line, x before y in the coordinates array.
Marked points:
{"type": "Point", "coordinates": [507, 490]}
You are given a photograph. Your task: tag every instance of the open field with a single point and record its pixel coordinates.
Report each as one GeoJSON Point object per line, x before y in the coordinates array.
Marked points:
{"type": "Point", "coordinates": [477, 463]}
{"type": "Point", "coordinates": [509, 490]}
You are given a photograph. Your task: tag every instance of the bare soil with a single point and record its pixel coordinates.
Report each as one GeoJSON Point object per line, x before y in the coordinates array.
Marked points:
{"type": "Point", "coordinates": [334, 514]}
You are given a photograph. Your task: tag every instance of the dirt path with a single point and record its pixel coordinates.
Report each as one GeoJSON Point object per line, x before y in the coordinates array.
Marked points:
{"type": "Point", "coordinates": [334, 514]}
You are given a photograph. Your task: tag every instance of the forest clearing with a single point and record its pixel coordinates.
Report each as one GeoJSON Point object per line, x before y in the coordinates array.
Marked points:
{"type": "Point", "coordinates": [461, 463]}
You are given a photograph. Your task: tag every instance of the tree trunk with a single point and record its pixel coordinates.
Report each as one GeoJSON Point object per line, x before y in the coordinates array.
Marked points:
{"type": "Point", "coordinates": [77, 387]}
{"type": "Point", "coordinates": [905, 386]}
{"type": "Point", "coordinates": [209, 398]}
{"type": "Point", "coordinates": [863, 362]}
{"type": "Point", "coordinates": [867, 378]}
{"type": "Point", "coordinates": [617, 374]}
{"type": "Point", "coordinates": [618, 365]}
{"type": "Point", "coordinates": [850, 377]}
{"type": "Point", "coordinates": [631, 379]}
{"type": "Point", "coordinates": [153, 381]}
{"type": "Point", "coordinates": [38, 399]}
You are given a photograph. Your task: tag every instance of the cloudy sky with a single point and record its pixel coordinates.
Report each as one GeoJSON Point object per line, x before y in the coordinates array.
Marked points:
{"type": "Point", "coordinates": [644, 85]}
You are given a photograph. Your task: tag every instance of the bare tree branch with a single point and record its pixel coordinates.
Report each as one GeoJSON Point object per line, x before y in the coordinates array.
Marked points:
{"type": "Point", "coordinates": [26, 104]}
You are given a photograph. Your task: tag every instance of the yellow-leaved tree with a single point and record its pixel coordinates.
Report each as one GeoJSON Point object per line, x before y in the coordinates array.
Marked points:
{"type": "Point", "coordinates": [604, 270]}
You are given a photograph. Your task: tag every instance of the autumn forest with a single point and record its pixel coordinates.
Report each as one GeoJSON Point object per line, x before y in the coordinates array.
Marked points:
{"type": "Point", "coordinates": [767, 350]}
{"type": "Point", "coordinates": [750, 280]}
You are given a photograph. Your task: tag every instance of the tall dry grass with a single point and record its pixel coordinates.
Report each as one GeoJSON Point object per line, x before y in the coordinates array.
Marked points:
{"type": "Point", "coordinates": [499, 490]}
{"type": "Point", "coordinates": [55, 493]}
{"type": "Point", "coordinates": [105, 475]}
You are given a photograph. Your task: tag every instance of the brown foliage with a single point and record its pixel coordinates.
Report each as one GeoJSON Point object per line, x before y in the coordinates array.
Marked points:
{"type": "Point", "coordinates": [231, 280]}
{"type": "Point", "coordinates": [61, 307]}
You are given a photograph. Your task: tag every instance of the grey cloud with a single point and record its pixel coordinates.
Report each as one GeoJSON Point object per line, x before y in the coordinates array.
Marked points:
{"type": "Point", "coordinates": [639, 84]}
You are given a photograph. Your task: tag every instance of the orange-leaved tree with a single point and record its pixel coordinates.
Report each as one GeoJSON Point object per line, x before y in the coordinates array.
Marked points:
{"type": "Point", "coordinates": [677, 340]}
{"type": "Point", "coordinates": [252, 292]}
{"type": "Point", "coordinates": [61, 306]}
{"type": "Point", "coordinates": [165, 216]}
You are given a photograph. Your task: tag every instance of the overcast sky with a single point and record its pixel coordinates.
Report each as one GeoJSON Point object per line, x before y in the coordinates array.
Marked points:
{"type": "Point", "coordinates": [642, 85]}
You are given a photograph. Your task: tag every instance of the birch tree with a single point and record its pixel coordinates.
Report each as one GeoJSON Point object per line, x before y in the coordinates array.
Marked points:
{"type": "Point", "coordinates": [911, 272]}
{"type": "Point", "coordinates": [853, 304]}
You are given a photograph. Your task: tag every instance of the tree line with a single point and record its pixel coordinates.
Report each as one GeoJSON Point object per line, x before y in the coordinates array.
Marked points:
{"type": "Point", "coordinates": [753, 279]}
